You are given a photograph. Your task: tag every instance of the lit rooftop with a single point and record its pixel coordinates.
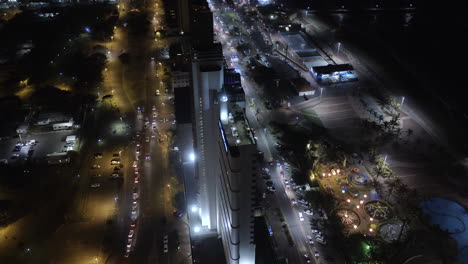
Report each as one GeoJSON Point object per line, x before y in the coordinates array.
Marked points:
{"type": "Point", "coordinates": [237, 128]}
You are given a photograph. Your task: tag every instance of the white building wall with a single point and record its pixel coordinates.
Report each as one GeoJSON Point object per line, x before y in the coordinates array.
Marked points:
{"type": "Point", "coordinates": [235, 192]}
{"type": "Point", "coordinates": [205, 88]}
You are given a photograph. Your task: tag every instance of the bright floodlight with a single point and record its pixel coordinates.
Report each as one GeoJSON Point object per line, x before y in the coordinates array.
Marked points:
{"type": "Point", "coordinates": [196, 229]}
{"type": "Point", "coordinates": [194, 208]}
{"type": "Point", "coordinates": [192, 157]}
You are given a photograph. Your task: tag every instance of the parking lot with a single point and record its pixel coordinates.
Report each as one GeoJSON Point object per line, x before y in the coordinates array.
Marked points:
{"type": "Point", "coordinates": [46, 143]}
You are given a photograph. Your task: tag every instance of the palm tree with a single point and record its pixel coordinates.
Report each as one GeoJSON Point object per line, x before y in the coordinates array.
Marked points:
{"type": "Point", "coordinates": [386, 124]}
{"type": "Point", "coordinates": [398, 131]}
{"type": "Point", "coordinates": [409, 132]}
{"type": "Point", "coordinates": [381, 118]}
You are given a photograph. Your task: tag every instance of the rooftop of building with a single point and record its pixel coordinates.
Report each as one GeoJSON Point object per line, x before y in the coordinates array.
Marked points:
{"type": "Point", "coordinates": [302, 85]}
{"type": "Point", "coordinates": [231, 77]}
{"type": "Point", "coordinates": [297, 41]}
{"type": "Point", "coordinates": [329, 69]}
{"type": "Point", "coordinates": [237, 131]}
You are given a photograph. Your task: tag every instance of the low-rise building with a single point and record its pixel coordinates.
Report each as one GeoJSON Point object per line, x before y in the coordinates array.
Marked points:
{"type": "Point", "coordinates": [64, 125]}
{"type": "Point", "coordinates": [303, 87]}
{"type": "Point", "coordinates": [334, 73]}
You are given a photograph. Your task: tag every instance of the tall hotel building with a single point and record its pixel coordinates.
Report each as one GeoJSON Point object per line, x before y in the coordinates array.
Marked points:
{"type": "Point", "coordinates": [223, 142]}
{"type": "Point", "coordinates": [226, 151]}
{"type": "Point", "coordinates": [237, 150]}
{"type": "Point", "coordinates": [207, 81]}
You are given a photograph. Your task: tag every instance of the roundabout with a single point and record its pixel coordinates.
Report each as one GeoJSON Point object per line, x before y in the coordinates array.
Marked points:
{"type": "Point", "coordinates": [358, 179]}
{"type": "Point", "coordinates": [348, 217]}
{"type": "Point", "coordinates": [378, 210]}
{"type": "Point", "coordinates": [390, 231]}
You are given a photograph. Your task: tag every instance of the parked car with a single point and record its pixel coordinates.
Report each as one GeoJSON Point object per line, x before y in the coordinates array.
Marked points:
{"type": "Point", "coordinates": [321, 240]}
{"type": "Point", "coordinates": [316, 253]}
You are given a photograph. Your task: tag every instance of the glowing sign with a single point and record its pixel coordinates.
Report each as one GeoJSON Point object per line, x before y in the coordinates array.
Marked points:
{"type": "Point", "coordinates": [223, 136]}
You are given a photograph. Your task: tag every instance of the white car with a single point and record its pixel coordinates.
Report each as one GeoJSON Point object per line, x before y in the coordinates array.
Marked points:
{"type": "Point", "coordinates": [311, 241]}
{"type": "Point", "coordinates": [95, 185]}
{"type": "Point", "coordinates": [321, 240]}
{"type": "Point", "coordinates": [301, 217]}
{"type": "Point", "coordinates": [308, 212]}
{"type": "Point", "coordinates": [166, 248]}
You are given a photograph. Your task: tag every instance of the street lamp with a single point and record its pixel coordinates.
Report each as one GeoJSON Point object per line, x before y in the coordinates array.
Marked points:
{"type": "Point", "coordinates": [194, 208]}
{"type": "Point", "coordinates": [192, 156]}
{"type": "Point", "coordinates": [196, 229]}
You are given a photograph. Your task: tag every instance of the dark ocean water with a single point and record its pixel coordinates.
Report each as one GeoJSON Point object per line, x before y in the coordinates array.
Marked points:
{"type": "Point", "coordinates": [426, 49]}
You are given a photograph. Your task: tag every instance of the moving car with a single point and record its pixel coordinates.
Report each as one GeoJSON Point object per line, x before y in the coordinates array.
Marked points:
{"type": "Point", "coordinates": [95, 166]}
{"type": "Point", "coordinates": [95, 185]}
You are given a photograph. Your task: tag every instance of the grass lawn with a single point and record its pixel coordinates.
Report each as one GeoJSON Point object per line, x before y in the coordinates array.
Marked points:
{"type": "Point", "coordinates": [312, 116]}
